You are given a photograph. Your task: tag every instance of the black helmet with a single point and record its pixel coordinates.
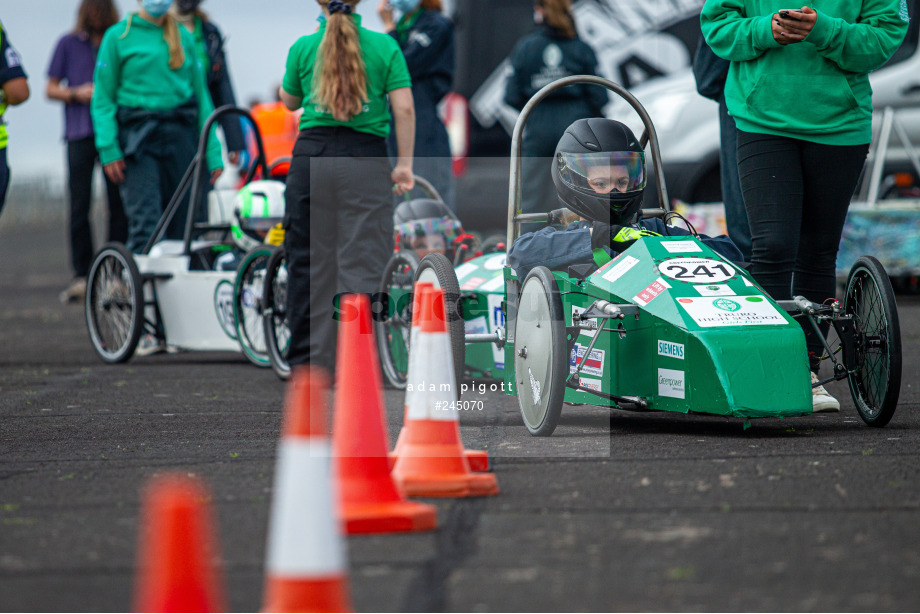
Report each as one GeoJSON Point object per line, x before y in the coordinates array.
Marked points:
{"type": "Point", "coordinates": [599, 170]}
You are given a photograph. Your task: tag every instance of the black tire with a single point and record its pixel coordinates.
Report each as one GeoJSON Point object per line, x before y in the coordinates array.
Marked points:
{"type": "Point", "coordinates": [491, 244]}
{"type": "Point", "coordinates": [876, 384]}
{"type": "Point", "coordinates": [274, 313]}
{"type": "Point", "coordinates": [541, 362]}
{"type": "Point", "coordinates": [437, 269]}
{"type": "Point", "coordinates": [114, 303]}
{"type": "Point", "coordinates": [247, 305]}
{"type": "Point", "coordinates": [392, 329]}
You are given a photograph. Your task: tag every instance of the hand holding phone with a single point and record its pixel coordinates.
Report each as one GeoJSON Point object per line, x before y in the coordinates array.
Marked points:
{"type": "Point", "coordinates": [784, 13]}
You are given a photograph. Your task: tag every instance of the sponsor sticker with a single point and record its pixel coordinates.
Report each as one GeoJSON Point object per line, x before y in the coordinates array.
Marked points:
{"type": "Point", "coordinates": [495, 263]}
{"type": "Point", "coordinates": [697, 270]}
{"type": "Point", "coordinates": [472, 283]}
{"type": "Point", "coordinates": [465, 269]}
{"type": "Point", "coordinates": [580, 310]}
{"type": "Point", "coordinates": [713, 312]}
{"type": "Point", "coordinates": [476, 326]}
{"type": "Point", "coordinates": [594, 365]}
{"type": "Point", "coordinates": [671, 383]}
{"type": "Point", "coordinates": [496, 320]}
{"type": "Point", "coordinates": [671, 349]}
{"type": "Point", "coordinates": [679, 247]}
{"type": "Point", "coordinates": [651, 291]}
{"type": "Point", "coordinates": [620, 268]}
{"type": "Point", "coordinates": [223, 307]}
{"type": "Point", "coordinates": [534, 387]}
{"type": "Point", "coordinates": [590, 384]}
{"type": "Point", "coordinates": [493, 285]}
{"type": "Point", "coordinates": [714, 290]}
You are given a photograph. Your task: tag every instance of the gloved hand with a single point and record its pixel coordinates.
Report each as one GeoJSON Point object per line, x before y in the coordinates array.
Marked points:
{"type": "Point", "coordinates": [622, 237]}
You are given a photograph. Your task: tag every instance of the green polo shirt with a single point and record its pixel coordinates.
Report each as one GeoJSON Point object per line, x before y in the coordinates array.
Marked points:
{"type": "Point", "coordinates": [386, 71]}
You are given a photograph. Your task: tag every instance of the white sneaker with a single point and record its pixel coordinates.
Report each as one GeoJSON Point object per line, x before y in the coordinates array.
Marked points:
{"type": "Point", "coordinates": [149, 345]}
{"type": "Point", "coordinates": [75, 292]}
{"type": "Point", "coordinates": [820, 399]}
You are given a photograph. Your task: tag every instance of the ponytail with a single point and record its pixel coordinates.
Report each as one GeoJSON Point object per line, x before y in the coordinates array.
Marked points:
{"type": "Point", "coordinates": [174, 42]}
{"type": "Point", "coordinates": [557, 14]}
{"type": "Point", "coordinates": [341, 79]}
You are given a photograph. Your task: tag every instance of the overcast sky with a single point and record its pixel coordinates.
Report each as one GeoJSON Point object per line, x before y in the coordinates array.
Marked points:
{"type": "Point", "coordinates": [258, 36]}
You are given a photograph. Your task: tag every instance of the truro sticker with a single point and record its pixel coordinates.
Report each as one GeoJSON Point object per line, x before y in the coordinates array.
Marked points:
{"type": "Point", "coordinates": [697, 270]}
{"type": "Point", "coordinates": [731, 311]}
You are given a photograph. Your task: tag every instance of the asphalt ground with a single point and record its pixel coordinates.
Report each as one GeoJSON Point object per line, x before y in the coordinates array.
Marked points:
{"type": "Point", "coordinates": [617, 511]}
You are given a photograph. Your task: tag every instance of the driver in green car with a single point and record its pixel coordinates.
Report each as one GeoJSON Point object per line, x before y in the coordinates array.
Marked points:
{"type": "Point", "coordinates": [599, 173]}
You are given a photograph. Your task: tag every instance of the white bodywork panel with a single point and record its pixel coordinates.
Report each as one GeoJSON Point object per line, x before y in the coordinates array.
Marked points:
{"type": "Point", "coordinates": [187, 301]}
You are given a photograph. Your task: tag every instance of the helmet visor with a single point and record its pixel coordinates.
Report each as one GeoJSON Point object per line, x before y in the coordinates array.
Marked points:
{"type": "Point", "coordinates": [615, 172]}
{"type": "Point", "coordinates": [260, 224]}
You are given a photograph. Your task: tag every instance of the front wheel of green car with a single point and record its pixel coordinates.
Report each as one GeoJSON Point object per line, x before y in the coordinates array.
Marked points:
{"type": "Point", "coordinates": [541, 362]}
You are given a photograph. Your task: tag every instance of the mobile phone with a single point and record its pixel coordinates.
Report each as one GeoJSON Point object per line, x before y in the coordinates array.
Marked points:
{"type": "Point", "coordinates": [784, 13]}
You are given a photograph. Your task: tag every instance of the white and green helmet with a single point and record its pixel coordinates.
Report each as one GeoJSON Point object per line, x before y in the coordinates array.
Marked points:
{"type": "Point", "coordinates": [259, 207]}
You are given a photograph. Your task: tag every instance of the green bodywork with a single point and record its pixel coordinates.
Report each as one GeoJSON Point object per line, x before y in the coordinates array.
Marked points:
{"type": "Point", "coordinates": [706, 339]}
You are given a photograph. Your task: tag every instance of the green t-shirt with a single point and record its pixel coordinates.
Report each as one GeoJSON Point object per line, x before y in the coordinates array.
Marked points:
{"type": "Point", "coordinates": [386, 71]}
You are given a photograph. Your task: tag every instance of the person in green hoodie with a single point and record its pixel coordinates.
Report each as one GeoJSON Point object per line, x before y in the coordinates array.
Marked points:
{"type": "Point", "coordinates": [798, 89]}
{"type": "Point", "coordinates": [149, 105]}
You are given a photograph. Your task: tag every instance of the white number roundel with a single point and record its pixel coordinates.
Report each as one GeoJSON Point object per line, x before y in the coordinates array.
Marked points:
{"type": "Point", "coordinates": [697, 270]}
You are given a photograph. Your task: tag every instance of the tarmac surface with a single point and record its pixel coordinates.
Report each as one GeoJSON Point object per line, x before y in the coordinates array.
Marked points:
{"type": "Point", "coordinates": [617, 511]}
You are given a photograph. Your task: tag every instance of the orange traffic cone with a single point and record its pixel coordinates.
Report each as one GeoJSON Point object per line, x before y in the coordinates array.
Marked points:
{"type": "Point", "coordinates": [305, 569]}
{"type": "Point", "coordinates": [431, 460]}
{"type": "Point", "coordinates": [371, 501]}
{"type": "Point", "coordinates": [177, 549]}
{"type": "Point", "coordinates": [477, 459]}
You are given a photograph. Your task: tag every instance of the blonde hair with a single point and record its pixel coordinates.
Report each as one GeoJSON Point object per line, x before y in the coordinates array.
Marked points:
{"type": "Point", "coordinates": [171, 36]}
{"type": "Point", "coordinates": [340, 83]}
{"type": "Point", "coordinates": [558, 14]}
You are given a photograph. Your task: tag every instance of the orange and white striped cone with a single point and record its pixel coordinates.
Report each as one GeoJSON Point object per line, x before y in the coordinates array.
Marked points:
{"type": "Point", "coordinates": [477, 459]}
{"type": "Point", "coordinates": [431, 460]}
{"type": "Point", "coordinates": [371, 502]}
{"type": "Point", "coordinates": [177, 547]}
{"type": "Point", "coordinates": [306, 566]}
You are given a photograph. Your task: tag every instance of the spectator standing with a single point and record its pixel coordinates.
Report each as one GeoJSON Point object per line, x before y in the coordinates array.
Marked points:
{"type": "Point", "coordinates": [426, 38]}
{"type": "Point", "coordinates": [339, 210]}
{"type": "Point", "coordinates": [552, 52]}
{"type": "Point", "coordinates": [70, 80]}
{"type": "Point", "coordinates": [14, 90]}
{"type": "Point", "coordinates": [149, 106]}
{"type": "Point", "coordinates": [710, 72]}
{"type": "Point", "coordinates": [210, 45]}
{"type": "Point", "coordinates": [798, 88]}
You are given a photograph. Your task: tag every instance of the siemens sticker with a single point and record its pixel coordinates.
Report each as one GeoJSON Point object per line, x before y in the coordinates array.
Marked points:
{"type": "Point", "coordinates": [671, 350]}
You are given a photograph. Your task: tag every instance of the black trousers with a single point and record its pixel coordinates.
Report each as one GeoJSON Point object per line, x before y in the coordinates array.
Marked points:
{"type": "Point", "coordinates": [4, 177]}
{"type": "Point", "coordinates": [81, 161]}
{"type": "Point", "coordinates": [338, 232]}
{"type": "Point", "coordinates": [796, 194]}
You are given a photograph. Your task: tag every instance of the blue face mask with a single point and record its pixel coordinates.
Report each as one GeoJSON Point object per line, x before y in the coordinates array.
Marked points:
{"type": "Point", "coordinates": [157, 8]}
{"type": "Point", "coordinates": [405, 6]}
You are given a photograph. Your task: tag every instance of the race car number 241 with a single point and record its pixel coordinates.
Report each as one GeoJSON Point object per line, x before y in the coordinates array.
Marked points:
{"type": "Point", "coordinates": [697, 270]}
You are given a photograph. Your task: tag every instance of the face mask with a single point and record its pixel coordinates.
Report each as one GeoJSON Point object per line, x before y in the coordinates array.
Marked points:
{"type": "Point", "coordinates": [405, 6]}
{"type": "Point", "coordinates": [156, 8]}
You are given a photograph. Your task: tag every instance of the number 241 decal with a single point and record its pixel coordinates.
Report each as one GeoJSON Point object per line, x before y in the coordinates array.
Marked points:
{"type": "Point", "coordinates": [696, 270]}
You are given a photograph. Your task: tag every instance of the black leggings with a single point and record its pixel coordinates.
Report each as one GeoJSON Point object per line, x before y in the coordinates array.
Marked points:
{"type": "Point", "coordinates": [796, 194]}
